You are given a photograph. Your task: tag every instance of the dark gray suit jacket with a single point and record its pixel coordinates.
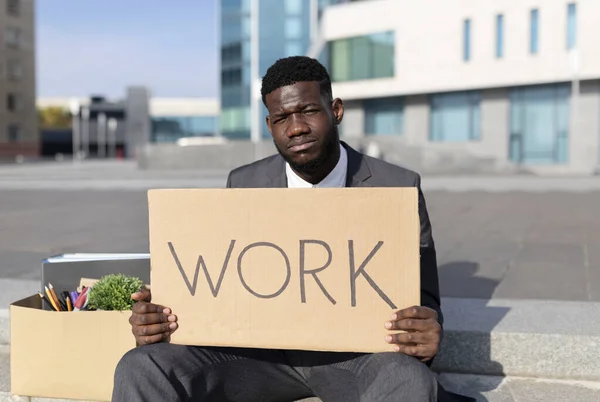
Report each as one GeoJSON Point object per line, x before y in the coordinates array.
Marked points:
{"type": "Point", "coordinates": [363, 171]}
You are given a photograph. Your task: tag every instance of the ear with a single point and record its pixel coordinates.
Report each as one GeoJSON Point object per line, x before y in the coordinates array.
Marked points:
{"type": "Point", "coordinates": [337, 106]}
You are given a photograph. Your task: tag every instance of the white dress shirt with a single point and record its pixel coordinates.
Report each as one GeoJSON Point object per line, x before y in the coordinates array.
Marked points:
{"type": "Point", "coordinates": [335, 178]}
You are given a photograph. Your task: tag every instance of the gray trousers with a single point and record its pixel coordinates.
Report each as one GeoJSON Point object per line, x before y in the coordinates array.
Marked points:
{"type": "Point", "coordinates": [165, 372]}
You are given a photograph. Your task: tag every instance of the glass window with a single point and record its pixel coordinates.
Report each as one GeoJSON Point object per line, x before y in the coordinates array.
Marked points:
{"type": "Point", "coordinates": [13, 132]}
{"type": "Point", "coordinates": [12, 102]}
{"type": "Point", "coordinates": [293, 28]}
{"type": "Point", "coordinates": [293, 7]}
{"type": "Point", "coordinates": [14, 69]}
{"type": "Point", "coordinates": [231, 30]}
{"type": "Point", "coordinates": [534, 34]}
{"type": "Point", "coordinates": [235, 119]}
{"type": "Point", "coordinates": [363, 57]}
{"type": "Point", "coordinates": [571, 26]}
{"type": "Point", "coordinates": [499, 36]}
{"type": "Point", "coordinates": [170, 129]}
{"type": "Point", "coordinates": [340, 60]}
{"type": "Point", "coordinates": [231, 77]}
{"type": "Point", "coordinates": [384, 116]}
{"type": "Point", "coordinates": [293, 49]}
{"type": "Point", "coordinates": [539, 124]}
{"type": "Point", "coordinates": [467, 40]}
{"type": "Point", "coordinates": [12, 37]}
{"type": "Point", "coordinates": [13, 7]}
{"type": "Point", "coordinates": [455, 117]}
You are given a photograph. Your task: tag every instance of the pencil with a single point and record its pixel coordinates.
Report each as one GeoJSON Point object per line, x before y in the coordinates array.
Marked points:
{"type": "Point", "coordinates": [45, 301]}
{"type": "Point", "coordinates": [69, 305]}
{"type": "Point", "coordinates": [53, 293]}
{"type": "Point", "coordinates": [51, 299]}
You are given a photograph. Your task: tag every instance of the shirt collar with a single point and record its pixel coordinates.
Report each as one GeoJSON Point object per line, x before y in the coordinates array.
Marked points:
{"type": "Point", "coordinates": [335, 178]}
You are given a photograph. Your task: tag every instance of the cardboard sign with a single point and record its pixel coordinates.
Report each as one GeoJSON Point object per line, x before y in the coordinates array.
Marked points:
{"type": "Point", "coordinates": [310, 269]}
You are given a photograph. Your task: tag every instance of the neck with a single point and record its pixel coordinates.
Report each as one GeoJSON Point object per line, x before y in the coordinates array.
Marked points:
{"type": "Point", "coordinates": [324, 169]}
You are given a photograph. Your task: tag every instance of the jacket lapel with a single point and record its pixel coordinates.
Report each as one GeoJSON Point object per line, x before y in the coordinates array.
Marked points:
{"type": "Point", "coordinates": [276, 177]}
{"type": "Point", "coordinates": [358, 171]}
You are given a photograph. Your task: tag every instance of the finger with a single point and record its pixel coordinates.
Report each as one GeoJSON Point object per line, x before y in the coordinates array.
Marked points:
{"type": "Point", "coordinates": [145, 308]}
{"type": "Point", "coordinates": [415, 312]}
{"type": "Point", "coordinates": [416, 351]}
{"type": "Point", "coordinates": [142, 295]}
{"type": "Point", "coordinates": [149, 340]}
{"type": "Point", "coordinates": [417, 324]}
{"type": "Point", "coordinates": [154, 329]}
{"type": "Point", "coordinates": [412, 338]}
{"type": "Point", "coordinates": [412, 325]}
{"type": "Point", "coordinates": [151, 318]}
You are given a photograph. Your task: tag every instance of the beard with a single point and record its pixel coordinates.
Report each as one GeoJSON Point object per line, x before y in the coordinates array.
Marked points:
{"type": "Point", "coordinates": [312, 165]}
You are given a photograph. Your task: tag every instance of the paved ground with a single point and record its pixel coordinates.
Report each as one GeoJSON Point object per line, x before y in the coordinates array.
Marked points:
{"type": "Point", "coordinates": [497, 237]}
{"type": "Point", "coordinates": [493, 239]}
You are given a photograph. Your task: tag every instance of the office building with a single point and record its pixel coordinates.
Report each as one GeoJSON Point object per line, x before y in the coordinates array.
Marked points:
{"type": "Point", "coordinates": [515, 83]}
{"type": "Point", "coordinates": [109, 128]}
{"type": "Point", "coordinates": [284, 30]}
{"type": "Point", "coordinates": [19, 134]}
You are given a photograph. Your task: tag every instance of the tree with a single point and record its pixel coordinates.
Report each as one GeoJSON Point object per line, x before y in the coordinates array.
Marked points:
{"type": "Point", "coordinates": [54, 117]}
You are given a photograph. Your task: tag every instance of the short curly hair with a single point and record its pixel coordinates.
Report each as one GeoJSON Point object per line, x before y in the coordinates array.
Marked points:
{"type": "Point", "coordinates": [290, 70]}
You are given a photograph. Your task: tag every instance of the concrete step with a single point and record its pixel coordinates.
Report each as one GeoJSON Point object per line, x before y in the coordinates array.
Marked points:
{"type": "Point", "coordinates": [520, 389]}
{"type": "Point", "coordinates": [528, 338]}
{"type": "Point", "coordinates": [522, 338]}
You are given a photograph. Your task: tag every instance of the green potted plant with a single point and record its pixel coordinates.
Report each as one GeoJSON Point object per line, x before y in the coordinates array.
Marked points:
{"type": "Point", "coordinates": [113, 292]}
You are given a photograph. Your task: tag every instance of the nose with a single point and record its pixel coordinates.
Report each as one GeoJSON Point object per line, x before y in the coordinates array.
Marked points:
{"type": "Point", "coordinates": [297, 125]}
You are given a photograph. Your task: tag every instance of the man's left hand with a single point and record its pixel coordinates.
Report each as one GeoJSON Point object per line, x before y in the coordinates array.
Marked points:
{"type": "Point", "coordinates": [423, 332]}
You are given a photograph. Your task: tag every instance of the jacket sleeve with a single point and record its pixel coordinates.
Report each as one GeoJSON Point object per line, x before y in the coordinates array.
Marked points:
{"type": "Point", "coordinates": [430, 289]}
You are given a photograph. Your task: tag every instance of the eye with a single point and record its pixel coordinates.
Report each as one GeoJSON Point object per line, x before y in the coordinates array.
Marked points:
{"type": "Point", "coordinates": [310, 111]}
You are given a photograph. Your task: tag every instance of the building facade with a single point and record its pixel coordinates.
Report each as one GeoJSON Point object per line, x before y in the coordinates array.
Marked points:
{"type": "Point", "coordinates": [284, 30]}
{"type": "Point", "coordinates": [109, 128]}
{"type": "Point", "coordinates": [19, 134]}
{"type": "Point", "coordinates": [513, 81]}
{"type": "Point", "coordinates": [173, 119]}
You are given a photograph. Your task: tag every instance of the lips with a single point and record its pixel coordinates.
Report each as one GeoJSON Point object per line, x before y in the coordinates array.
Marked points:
{"type": "Point", "coordinates": [303, 146]}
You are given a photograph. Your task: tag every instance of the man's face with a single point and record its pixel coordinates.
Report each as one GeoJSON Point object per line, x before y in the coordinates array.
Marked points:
{"type": "Point", "coordinates": [304, 124]}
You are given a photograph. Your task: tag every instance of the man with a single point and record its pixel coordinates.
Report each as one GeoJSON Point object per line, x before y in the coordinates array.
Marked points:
{"type": "Point", "coordinates": [303, 120]}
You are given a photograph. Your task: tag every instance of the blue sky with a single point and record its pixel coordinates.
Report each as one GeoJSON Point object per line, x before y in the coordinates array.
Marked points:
{"type": "Point", "coordinates": [89, 47]}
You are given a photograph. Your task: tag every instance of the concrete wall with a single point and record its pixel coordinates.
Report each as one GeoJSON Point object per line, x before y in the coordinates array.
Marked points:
{"type": "Point", "coordinates": [353, 123]}
{"type": "Point", "coordinates": [206, 157]}
{"type": "Point", "coordinates": [584, 155]}
{"type": "Point", "coordinates": [429, 43]}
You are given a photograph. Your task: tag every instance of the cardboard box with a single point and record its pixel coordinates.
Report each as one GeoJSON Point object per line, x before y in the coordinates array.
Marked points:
{"type": "Point", "coordinates": [66, 354]}
{"type": "Point", "coordinates": [312, 269]}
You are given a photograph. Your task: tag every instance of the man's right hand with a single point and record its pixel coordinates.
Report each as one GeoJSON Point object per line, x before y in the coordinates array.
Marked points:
{"type": "Point", "coordinates": [150, 323]}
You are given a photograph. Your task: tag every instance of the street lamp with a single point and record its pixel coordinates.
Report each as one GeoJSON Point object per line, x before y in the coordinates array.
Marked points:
{"type": "Point", "coordinates": [101, 135]}
{"type": "Point", "coordinates": [74, 108]}
{"type": "Point", "coordinates": [85, 130]}
{"type": "Point", "coordinates": [112, 137]}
